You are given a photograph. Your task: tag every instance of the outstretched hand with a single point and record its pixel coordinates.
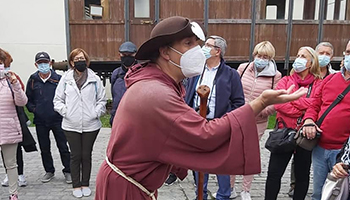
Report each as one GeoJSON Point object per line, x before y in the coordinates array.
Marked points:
{"type": "Point", "coordinates": [270, 97]}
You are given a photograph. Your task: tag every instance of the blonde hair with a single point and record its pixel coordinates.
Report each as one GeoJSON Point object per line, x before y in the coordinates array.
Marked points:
{"type": "Point", "coordinates": [315, 66]}
{"type": "Point", "coordinates": [264, 48]}
{"type": "Point", "coordinates": [77, 51]}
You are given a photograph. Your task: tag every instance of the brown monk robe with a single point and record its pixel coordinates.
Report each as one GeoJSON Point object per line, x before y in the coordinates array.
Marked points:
{"type": "Point", "coordinates": [155, 130]}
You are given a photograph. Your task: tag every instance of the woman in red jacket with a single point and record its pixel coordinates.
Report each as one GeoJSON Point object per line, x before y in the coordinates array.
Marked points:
{"type": "Point", "coordinates": [305, 73]}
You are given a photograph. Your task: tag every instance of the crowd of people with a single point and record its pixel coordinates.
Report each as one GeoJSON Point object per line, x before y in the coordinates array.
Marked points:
{"type": "Point", "coordinates": [70, 106]}
{"type": "Point", "coordinates": [156, 102]}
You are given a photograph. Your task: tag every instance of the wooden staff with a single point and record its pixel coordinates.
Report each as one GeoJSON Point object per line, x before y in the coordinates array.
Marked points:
{"type": "Point", "coordinates": [203, 92]}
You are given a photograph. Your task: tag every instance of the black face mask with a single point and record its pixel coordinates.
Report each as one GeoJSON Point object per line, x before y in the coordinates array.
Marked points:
{"type": "Point", "coordinates": [80, 65]}
{"type": "Point", "coordinates": [127, 61]}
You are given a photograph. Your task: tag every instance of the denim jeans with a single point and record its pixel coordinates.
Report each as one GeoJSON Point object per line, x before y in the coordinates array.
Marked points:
{"type": "Point", "coordinates": [323, 161]}
{"type": "Point", "coordinates": [224, 191]}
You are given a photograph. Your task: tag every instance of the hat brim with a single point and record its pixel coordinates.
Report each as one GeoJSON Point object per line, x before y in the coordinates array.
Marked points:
{"type": "Point", "coordinates": [148, 48]}
{"type": "Point", "coordinates": [46, 59]}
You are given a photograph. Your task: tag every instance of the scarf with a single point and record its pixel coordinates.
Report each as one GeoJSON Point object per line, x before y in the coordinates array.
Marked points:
{"type": "Point", "coordinates": [303, 83]}
{"type": "Point", "coordinates": [80, 79]}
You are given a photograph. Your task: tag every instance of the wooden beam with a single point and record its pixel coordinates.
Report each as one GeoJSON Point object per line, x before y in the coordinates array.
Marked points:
{"type": "Point", "coordinates": [336, 9]}
{"type": "Point", "coordinates": [347, 17]}
{"type": "Point", "coordinates": [309, 9]}
{"type": "Point", "coordinates": [325, 9]}
{"type": "Point", "coordinates": [262, 9]}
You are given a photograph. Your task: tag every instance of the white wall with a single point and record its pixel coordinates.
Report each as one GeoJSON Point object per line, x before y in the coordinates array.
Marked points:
{"type": "Point", "coordinates": [28, 27]}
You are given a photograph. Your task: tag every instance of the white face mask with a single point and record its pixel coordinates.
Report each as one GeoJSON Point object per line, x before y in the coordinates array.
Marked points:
{"type": "Point", "coordinates": [299, 65]}
{"type": "Point", "coordinates": [191, 62]}
{"type": "Point", "coordinates": [2, 66]}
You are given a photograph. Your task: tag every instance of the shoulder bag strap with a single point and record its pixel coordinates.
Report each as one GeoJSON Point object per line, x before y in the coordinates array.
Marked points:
{"type": "Point", "coordinates": [309, 90]}
{"type": "Point", "coordinates": [335, 102]}
{"type": "Point", "coordinates": [300, 119]}
{"type": "Point", "coordinates": [244, 70]}
{"type": "Point", "coordinates": [9, 84]}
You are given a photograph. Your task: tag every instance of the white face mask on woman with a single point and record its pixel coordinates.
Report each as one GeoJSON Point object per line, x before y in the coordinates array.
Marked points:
{"type": "Point", "coordinates": [299, 65]}
{"type": "Point", "coordinates": [261, 63]}
{"type": "Point", "coordinates": [191, 62]}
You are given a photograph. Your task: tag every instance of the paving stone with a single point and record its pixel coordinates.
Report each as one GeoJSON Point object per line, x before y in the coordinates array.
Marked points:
{"type": "Point", "coordinates": [180, 190]}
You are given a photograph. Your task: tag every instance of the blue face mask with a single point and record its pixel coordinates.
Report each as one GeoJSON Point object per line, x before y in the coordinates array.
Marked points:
{"type": "Point", "coordinates": [44, 68]}
{"type": "Point", "coordinates": [323, 60]}
{"type": "Point", "coordinates": [347, 63]}
{"type": "Point", "coordinates": [299, 65]}
{"type": "Point", "coordinates": [260, 63]}
{"type": "Point", "coordinates": [206, 50]}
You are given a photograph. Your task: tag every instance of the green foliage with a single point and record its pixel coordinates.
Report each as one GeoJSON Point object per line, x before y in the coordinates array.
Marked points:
{"type": "Point", "coordinates": [271, 122]}
{"type": "Point", "coordinates": [30, 116]}
{"type": "Point", "coordinates": [104, 119]}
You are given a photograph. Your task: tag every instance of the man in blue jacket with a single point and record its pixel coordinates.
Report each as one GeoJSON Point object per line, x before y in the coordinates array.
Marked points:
{"type": "Point", "coordinates": [40, 91]}
{"type": "Point", "coordinates": [226, 94]}
{"type": "Point", "coordinates": [127, 53]}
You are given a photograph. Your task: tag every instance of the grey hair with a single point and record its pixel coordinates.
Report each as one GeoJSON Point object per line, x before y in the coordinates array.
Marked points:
{"type": "Point", "coordinates": [219, 42]}
{"type": "Point", "coordinates": [325, 44]}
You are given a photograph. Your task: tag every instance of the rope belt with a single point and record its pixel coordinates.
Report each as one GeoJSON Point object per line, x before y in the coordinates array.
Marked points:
{"type": "Point", "coordinates": [131, 180]}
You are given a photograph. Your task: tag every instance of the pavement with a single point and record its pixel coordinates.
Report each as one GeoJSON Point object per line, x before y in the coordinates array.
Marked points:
{"type": "Point", "coordinates": [180, 190]}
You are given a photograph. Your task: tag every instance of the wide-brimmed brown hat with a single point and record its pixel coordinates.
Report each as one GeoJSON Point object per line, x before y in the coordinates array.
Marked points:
{"type": "Point", "coordinates": [166, 32]}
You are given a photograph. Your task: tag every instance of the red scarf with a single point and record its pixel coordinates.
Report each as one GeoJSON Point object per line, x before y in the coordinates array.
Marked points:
{"type": "Point", "coordinates": [302, 83]}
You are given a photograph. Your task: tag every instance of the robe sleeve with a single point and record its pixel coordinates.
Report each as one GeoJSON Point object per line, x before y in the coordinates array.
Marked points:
{"type": "Point", "coordinates": [227, 145]}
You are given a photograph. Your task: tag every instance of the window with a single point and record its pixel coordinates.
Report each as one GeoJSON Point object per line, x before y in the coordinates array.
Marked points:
{"type": "Point", "coordinates": [335, 10]}
{"type": "Point", "coordinates": [142, 9]}
{"type": "Point", "coordinates": [306, 9]}
{"type": "Point", "coordinates": [276, 9]}
{"type": "Point", "coordinates": [271, 12]}
{"type": "Point", "coordinates": [96, 9]}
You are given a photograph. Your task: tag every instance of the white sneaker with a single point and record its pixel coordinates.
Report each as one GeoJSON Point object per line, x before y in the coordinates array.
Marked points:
{"type": "Point", "coordinates": [22, 181]}
{"type": "Point", "coordinates": [233, 194]}
{"type": "Point", "coordinates": [77, 193]}
{"type": "Point", "coordinates": [5, 182]}
{"type": "Point", "coordinates": [86, 191]}
{"type": "Point", "coordinates": [245, 195]}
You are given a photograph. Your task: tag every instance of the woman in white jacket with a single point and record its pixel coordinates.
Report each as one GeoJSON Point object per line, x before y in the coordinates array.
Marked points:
{"type": "Point", "coordinates": [80, 99]}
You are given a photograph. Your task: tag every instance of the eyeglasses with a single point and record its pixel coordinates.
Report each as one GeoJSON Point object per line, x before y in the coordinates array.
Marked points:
{"type": "Point", "coordinates": [346, 53]}
{"type": "Point", "coordinates": [79, 59]}
{"type": "Point", "coordinates": [211, 46]}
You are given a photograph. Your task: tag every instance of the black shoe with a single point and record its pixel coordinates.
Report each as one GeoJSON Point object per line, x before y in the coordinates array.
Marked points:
{"type": "Point", "coordinates": [291, 191]}
{"type": "Point", "coordinates": [171, 179]}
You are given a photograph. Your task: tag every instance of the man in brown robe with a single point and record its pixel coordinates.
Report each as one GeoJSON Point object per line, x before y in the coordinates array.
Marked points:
{"type": "Point", "coordinates": [155, 130]}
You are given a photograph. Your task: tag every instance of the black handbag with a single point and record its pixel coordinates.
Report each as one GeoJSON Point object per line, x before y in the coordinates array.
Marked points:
{"type": "Point", "coordinates": [303, 142]}
{"type": "Point", "coordinates": [28, 141]}
{"type": "Point", "coordinates": [309, 144]}
{"type": "Point", "coordinates": [281, 140]}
